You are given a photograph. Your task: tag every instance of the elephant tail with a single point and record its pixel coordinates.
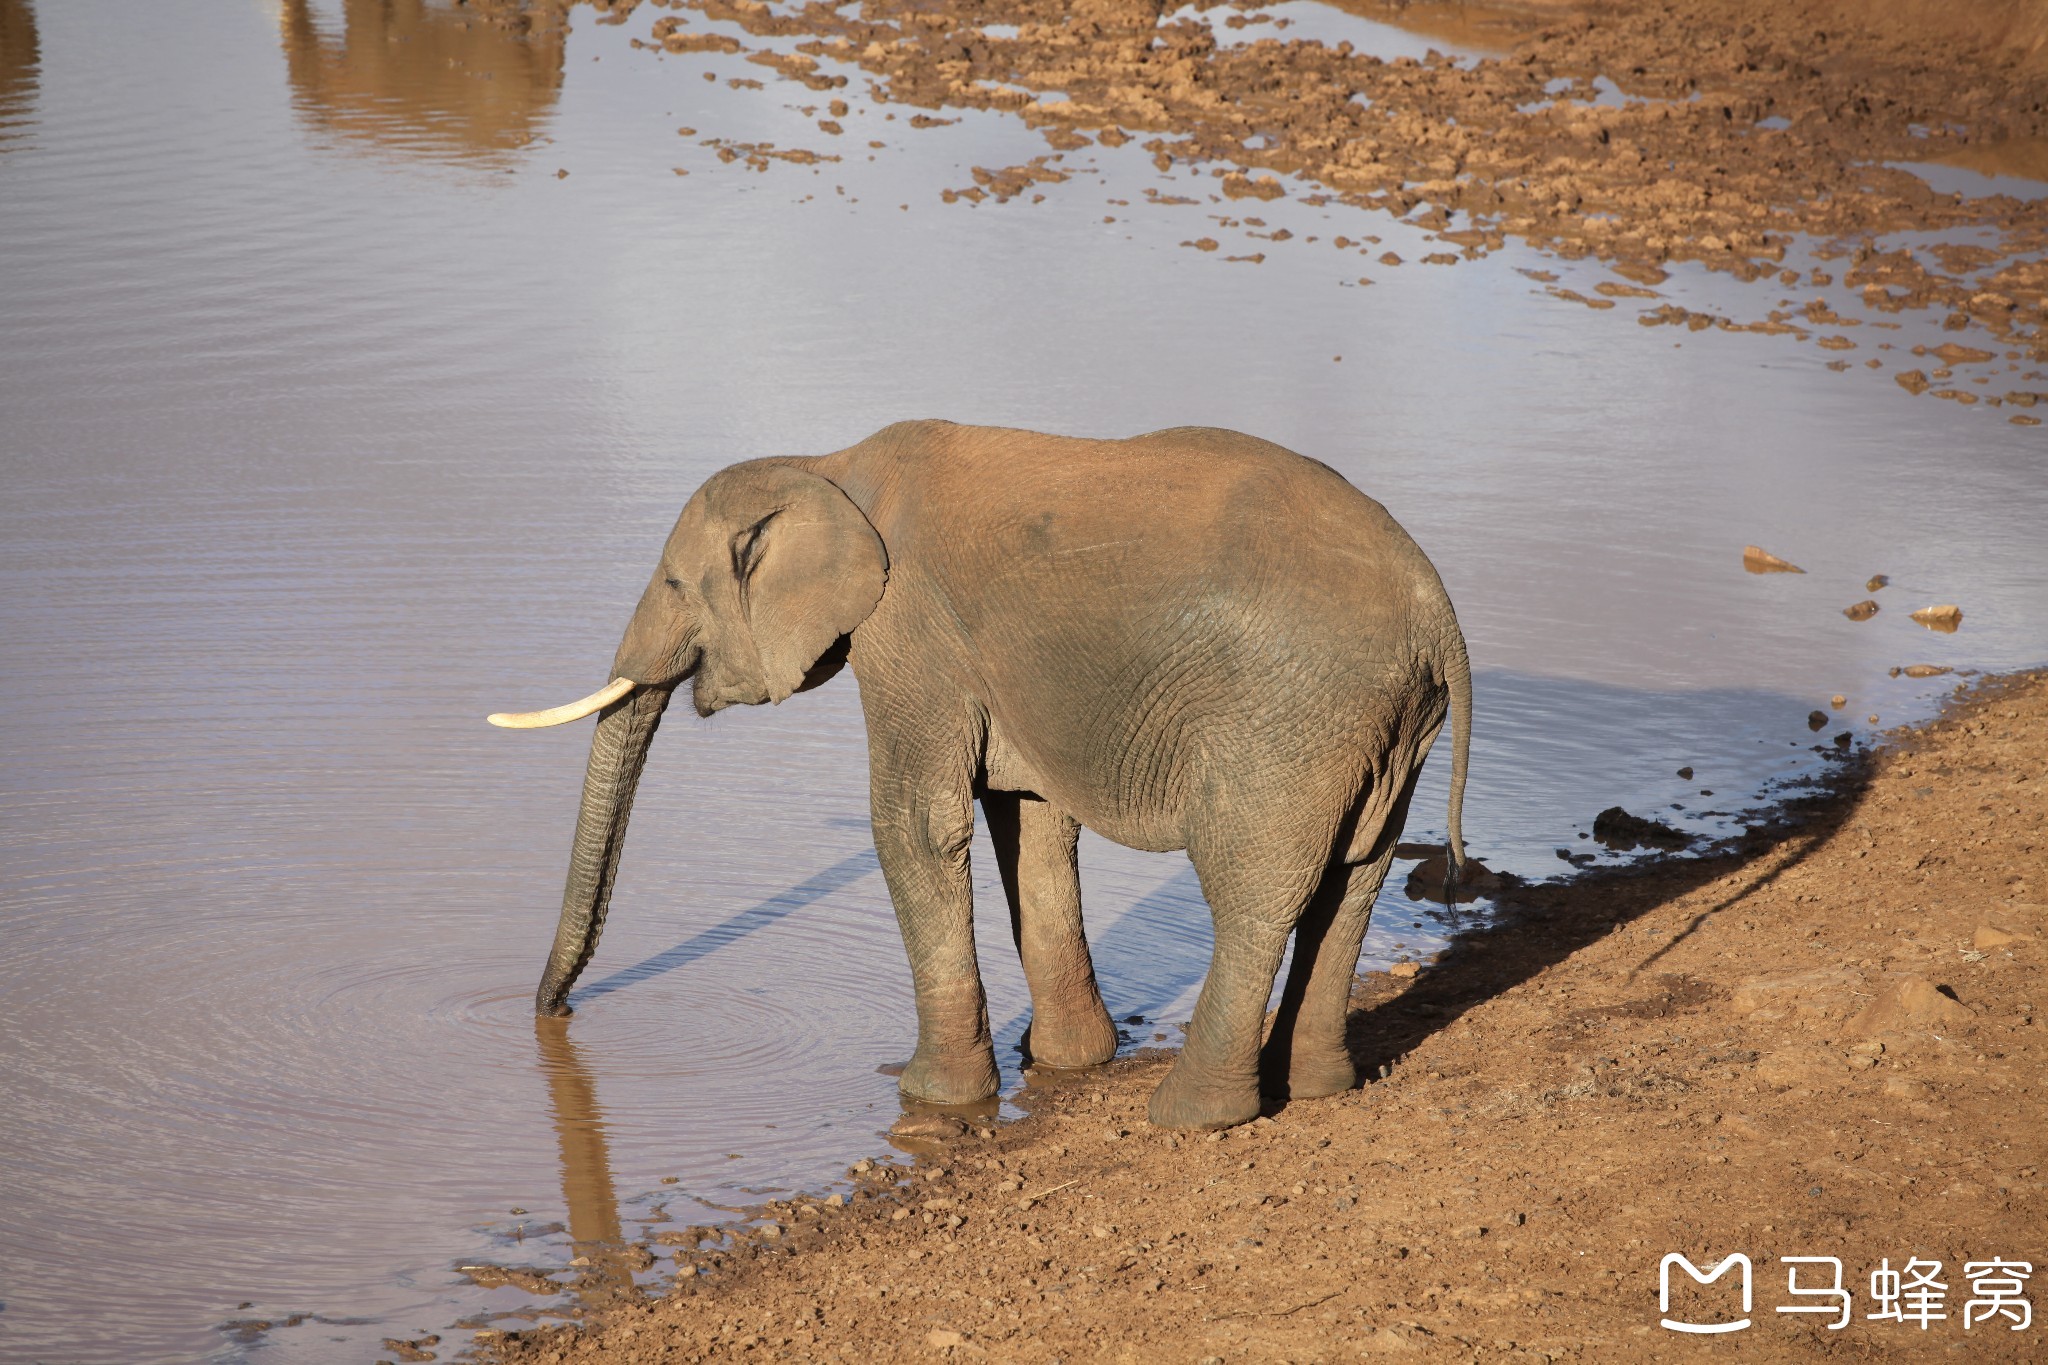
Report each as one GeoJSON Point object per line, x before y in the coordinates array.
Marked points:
{"type": "Point", "coordinates": [1458, 673]}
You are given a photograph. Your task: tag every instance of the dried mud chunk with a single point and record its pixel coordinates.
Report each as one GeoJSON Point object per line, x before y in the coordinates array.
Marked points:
{"type": "Point", "coordinates": [1568, 295]}
{"type": "Point", "coordinates": [1909, 1002]}
{"type": "Point", "coordinates": [931, 1127]}
{"type": "Point", "coordinates": [1949, 353]}
{"type": "Point", "coordinates": [1835, 344]}
{"type": "Point", "coordinates": [700, 42]}
{"type": "Point", "coordinates": [1756, 559]}
{"type": "Point", "coordinates": [1203, 244]}
{"type": "Point", "coordinates": [1912, 381]}
{"type": "Point", "coordinates": [1944, 617]}
{"type": "Point", "coordinates": [526, 1279]}
{"type": "Point", "coordinates": [1237, 185]}
{"type": "Point", "coordinates": [1861, 611]}
{"type": "Point", "coordinates": [1620, 831]}
{"type": "Point", "coordinates": [1475, 879]}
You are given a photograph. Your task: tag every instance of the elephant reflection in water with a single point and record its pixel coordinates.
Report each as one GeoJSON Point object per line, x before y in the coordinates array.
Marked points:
{"type": "Point", "coordinates": [424, 76]}
{"type": "Point", "coordinates": [21, 61]}
{"type": "Point", "coordinates": [587, 1188]}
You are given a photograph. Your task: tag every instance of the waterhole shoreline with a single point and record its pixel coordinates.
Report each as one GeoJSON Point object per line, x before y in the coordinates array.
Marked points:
{"type": "Point", "coordinates": [1502, 1185]}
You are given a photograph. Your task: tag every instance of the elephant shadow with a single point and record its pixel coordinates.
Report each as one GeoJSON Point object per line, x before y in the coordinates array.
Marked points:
{"type": "Point", "coordinates": [750, 920]}
{"type": "Point", "coordinates": [1535, 926]}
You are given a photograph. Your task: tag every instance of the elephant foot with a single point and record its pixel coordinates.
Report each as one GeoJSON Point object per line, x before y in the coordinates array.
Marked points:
{"type": "Point", "coordinates": [1071, 1041]}
{"type": "Point", "coordinates": [1310, 1077]}
{"type": "Point", "coordinates": [951, 1079]}
{"type": "Point", "coordinates": [1182, 1102]}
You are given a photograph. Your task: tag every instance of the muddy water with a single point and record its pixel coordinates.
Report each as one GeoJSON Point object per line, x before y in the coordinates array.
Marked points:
{"type": "Point", "coordinates": [333, 416]}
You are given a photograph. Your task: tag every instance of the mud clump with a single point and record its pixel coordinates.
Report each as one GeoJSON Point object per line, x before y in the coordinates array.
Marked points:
{"type": "Point", "coordinates": [1861, 611]}
{"type": "Point", "coordinates": [1946, 618]}
{"type": "Point", "coordinates": [1620, 831]}
{"type": "Point", "coordinates": [1756, 559]}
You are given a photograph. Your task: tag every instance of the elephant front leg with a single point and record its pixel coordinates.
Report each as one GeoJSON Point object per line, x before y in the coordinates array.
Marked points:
{"type": "Point", "coordinates": [1035, 846]}
{"type": "Point", "coordinates": [921, 835]}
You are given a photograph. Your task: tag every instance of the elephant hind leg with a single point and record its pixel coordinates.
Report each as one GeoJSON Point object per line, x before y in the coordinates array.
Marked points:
{"type": "Point", "coordinates": [1258, 889]}
{"type": "Point", "coordinates": [1305, 1056]}
{"type": "Point", "coordinates": [1035, 847]}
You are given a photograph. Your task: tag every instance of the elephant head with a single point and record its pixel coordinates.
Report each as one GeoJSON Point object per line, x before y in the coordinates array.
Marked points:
{"type": "Point", "coordinates": [768, 569]}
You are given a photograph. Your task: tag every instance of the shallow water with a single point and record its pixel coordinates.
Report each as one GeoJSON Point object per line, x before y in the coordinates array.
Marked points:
{"type": "Point", "coordinates": [332, 417]}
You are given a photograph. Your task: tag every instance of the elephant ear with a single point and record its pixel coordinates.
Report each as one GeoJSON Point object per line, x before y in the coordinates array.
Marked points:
{"type": "Point", "coordinates": [810, 569]}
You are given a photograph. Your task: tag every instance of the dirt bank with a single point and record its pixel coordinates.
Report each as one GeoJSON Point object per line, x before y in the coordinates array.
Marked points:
{"type": "Point", "coordinates": [1822, 1040]}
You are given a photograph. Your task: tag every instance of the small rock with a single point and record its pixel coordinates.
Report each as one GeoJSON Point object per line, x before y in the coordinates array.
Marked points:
{"type": "Point", "coordinates": [1912, 381]}
{"type": "Point", "coordinates": [1861, 611]}
{"type": "Point", "coordinates": [1758, 560]}
{"type": "Point", "coordinates": [1924, 670]}
{"type": "Point", "coordinates": [1405, 970]}
{"type": "Point", "coordinates": [1900, 1088]}
{"type": "Point", "coordinates": [940, 1338]}
{"type": "Point", "coordinates": [1876, 581]}
{"type": "Point", "coordinates": [1988, 937]}
{"type": "Point", "coordinates": [1469, 1232]}
{"type": "Point", "coordinates": [1685, 773]}
{"type": "Point", "coordinates": [1944, 618]}
{"type": "Point", "coordinates": [1816, 720]}
{"type": "Point", "coordinates": [1838, 701]}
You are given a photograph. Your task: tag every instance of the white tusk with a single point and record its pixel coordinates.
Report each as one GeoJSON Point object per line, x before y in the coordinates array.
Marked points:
{"type": "Point", "coordinates": [562, 715]}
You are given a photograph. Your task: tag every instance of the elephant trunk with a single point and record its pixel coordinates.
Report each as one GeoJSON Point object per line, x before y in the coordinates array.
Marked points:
{"type": "Point", "coordinates": [618, 751]}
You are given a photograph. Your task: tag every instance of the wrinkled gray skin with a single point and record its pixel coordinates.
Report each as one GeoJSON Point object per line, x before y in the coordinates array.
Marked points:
{"type": "Point", "coordinates": [1187, 640]}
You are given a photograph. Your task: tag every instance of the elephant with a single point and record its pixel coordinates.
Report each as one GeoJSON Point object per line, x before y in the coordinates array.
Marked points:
{"type": "Point", "coordinates": [1192, 639]}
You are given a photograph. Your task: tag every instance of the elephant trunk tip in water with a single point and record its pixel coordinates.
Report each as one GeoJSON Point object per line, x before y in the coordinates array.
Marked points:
{"type": "Point", "coordinates": [562, 715]}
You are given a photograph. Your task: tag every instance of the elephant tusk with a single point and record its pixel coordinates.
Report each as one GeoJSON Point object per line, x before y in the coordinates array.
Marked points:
{"type": "Point", "coordinates": [561, 715]}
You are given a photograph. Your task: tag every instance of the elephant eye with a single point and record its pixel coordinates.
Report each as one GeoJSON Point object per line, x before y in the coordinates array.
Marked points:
{"type": "Point", "coordinates": [675, 583]}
